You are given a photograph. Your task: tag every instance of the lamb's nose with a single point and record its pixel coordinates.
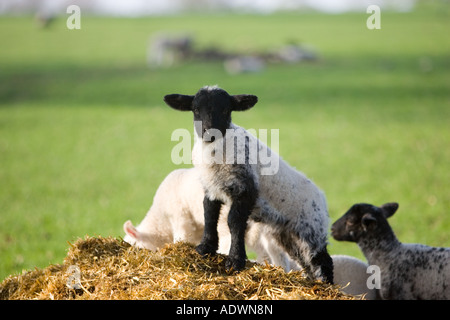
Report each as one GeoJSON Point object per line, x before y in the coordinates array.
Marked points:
{"type": "Point", "coordinates": [333, 229]}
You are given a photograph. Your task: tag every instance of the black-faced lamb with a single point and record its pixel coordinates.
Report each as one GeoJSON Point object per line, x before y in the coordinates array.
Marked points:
{"type": "Point", "coordinates": [239, 184]}
{"type": "Point", "coordinates": [407, 271]}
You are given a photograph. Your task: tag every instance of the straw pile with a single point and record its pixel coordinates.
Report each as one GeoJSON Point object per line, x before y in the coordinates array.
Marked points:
{"type": "Point", "coordinates": [108, 268]}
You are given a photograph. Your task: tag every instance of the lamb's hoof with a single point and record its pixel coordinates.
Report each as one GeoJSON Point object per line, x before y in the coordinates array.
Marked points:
{"type": "Point", "coordinates": [205, 250]}
{"type": "Point", "coordinates": [234, 264]}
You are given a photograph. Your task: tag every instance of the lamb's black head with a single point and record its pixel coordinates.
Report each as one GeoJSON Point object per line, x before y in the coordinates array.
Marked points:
{"type": "Point", "coordinates": [362, 219]}
{"type": "Point", "coordinates": [212, 109]}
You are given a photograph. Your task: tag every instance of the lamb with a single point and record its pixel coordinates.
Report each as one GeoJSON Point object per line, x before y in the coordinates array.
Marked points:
{"type": "Point", "coordinates": [407, 271]}
{"type": "Point", "coordinates": [173, 215]}
{"type": "Point", "coordinates": [176, 214]}
{"type": "Point", "coordinates": [300, 217]}
{"type": "Point", "coordinates": [351, 274]}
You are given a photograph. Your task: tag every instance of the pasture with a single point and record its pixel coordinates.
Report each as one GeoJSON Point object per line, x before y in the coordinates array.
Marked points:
{"type": "Point", "coordinates": [85, 134]}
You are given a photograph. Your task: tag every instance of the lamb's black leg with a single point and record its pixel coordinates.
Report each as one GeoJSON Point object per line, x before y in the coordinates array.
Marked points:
{"type": "Point", "coordinates": [210, 240]}
{"type": "Point", "coordinates": [316, 263]}
{"type": "Point", "coordinates": [324, 261]}
{"type": "Point", "coordinates": [237, 222]}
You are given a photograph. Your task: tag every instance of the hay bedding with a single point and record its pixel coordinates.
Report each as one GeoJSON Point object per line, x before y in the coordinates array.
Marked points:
{"type": "Point", "coordinates": [108, 268]}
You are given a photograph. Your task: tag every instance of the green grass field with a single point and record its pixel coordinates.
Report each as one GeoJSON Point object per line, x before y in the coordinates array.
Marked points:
{"type": "Point", "coordinates": [85, 135]}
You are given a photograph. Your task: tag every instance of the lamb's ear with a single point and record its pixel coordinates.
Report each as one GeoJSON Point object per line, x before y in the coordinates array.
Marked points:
{"type": "Point", "coordinates": [130, 230]}
{"type": "Point", "coordinates": [242, 102]}
{"type": "Point", "coordinates": [368, 221]}
{"type": "Point", "coordinates": [179, 101]}
{"type": "Point", "coordinates": [389, 208]}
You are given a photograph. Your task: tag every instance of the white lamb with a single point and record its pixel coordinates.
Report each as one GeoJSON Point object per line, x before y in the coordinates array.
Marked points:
{"type": "Point", "coordinates": [351, 274]}
{"type": "Point", "coordinates": [176, 214]}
